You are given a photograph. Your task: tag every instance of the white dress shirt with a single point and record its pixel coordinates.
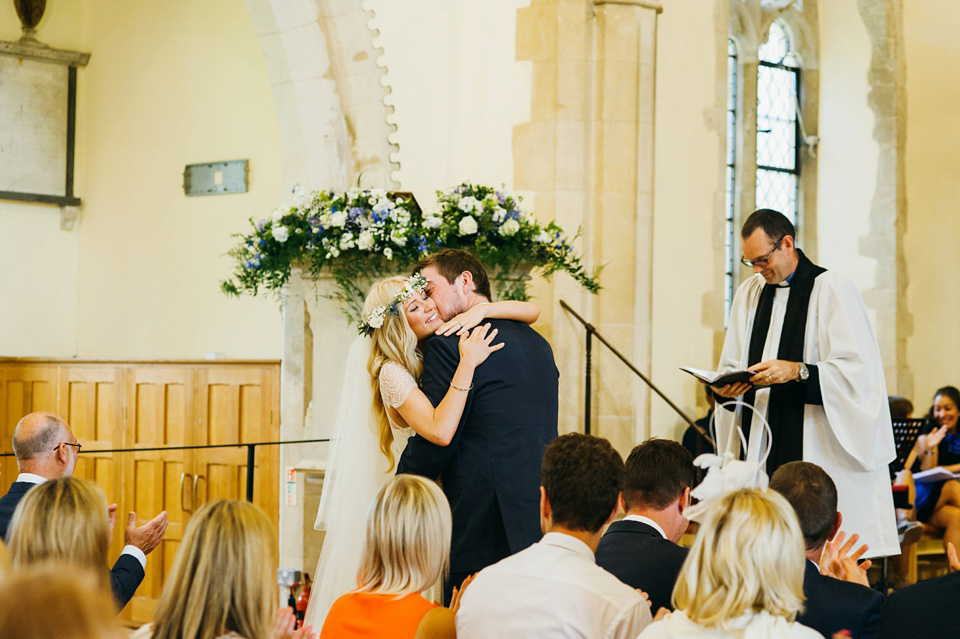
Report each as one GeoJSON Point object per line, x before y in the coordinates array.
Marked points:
{"type": "Point", "coordinates": [135, 552]}
{"type": "Point", "coordinates": [554, 588]}
{"type": "Point", "coordinates": [647, 521]}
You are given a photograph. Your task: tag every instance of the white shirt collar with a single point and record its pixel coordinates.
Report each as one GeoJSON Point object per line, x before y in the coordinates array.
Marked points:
{"type": "Point", "coordinates": [31, 478]}
{"type": "Point", "coordinates": [568, 542]}
{"type": "Point", "coordinates": [647, 521]}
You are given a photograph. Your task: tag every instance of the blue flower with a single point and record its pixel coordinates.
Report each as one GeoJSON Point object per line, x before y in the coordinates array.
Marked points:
{"type": "Point", "coordinates": [513, 215]}
{"type": "Point", "coordinates": [500, 197]}
{"type": "Point", "coordinates": [355, 212]}
{"type": "Point", "coordinates": [261, 224]}
{"type": "Point", "coordinates": [378, 217]}
{"type": "Point", "coordinates": [422, 244]}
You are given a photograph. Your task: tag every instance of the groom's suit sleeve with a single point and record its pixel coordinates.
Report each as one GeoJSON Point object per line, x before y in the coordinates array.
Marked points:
{"type": "Point", "coordinates": [440, 360]}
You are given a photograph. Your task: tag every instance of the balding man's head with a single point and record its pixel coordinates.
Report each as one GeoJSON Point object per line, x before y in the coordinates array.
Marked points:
{"type": "Point", "coordinates": [35, 443]}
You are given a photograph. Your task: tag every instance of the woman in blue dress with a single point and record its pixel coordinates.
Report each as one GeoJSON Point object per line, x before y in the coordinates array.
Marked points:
{"type": "Point", "coordinates": [938, 502]}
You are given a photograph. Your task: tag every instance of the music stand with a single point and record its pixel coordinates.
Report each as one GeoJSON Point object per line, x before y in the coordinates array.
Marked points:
{"type": "Point", "coordinates": [905, 433]}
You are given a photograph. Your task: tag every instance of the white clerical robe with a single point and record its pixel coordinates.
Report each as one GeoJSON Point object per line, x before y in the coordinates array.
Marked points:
{"type": "Point", "coordinates": [850, 435]}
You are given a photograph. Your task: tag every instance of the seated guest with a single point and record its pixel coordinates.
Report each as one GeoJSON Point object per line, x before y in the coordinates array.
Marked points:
{"type": "Point", "coordinates": [223, 580]}
{"type": "Point", "coordinates": [925, 609]}
{"type": "Point", "coordinates": [46, 448]}
{"type": "Point", "coordinates": [554, 588]}
{"type": "Point", "coordinates": [743, 576]}
{"type": "Point", "coordinates": [64, 522]}
{"type": "Point", "coordinates": [641, 550]}
{"type": "Point", "coordinates": [48, 601]}
{"type": "Point", "coordinates": [938, 503]}
{"type": "Point", "coordinates": [832, 605]}
{"type": "Point", "coordinates": [406, 551]}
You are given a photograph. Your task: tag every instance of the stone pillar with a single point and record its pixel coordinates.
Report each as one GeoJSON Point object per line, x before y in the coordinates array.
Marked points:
{"type": "Point", "coordinates": [587, 154]}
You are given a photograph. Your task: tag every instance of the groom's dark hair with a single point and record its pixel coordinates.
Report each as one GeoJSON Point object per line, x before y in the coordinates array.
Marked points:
{"type": "Point", "coordinates": [452, 262]}
{"type": "Point", "coordinates": [582, 476]}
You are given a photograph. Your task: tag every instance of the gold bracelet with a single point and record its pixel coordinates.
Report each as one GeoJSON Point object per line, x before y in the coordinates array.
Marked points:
{"type": "Point", "coordinates": [465, 390]}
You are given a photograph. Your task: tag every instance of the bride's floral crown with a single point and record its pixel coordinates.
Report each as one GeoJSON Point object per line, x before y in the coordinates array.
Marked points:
{"type": "Point", "coordinates": [415, 284]}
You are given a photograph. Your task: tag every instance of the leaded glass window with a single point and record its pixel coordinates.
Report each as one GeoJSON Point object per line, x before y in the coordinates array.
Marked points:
{"type": "Point", "coordinates": [730, 202]}
{"type": "Point", "coordinates": [778, 86]}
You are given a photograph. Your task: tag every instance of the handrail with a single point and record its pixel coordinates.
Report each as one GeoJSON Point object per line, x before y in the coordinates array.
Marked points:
{"type": "Point", "coordinates": [250, 446]}
{"type": "Point", "coordinates": [591, 333]}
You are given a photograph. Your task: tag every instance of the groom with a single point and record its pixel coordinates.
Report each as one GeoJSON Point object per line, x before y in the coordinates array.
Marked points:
{"type": "Point", "coordinates": [491, 470]}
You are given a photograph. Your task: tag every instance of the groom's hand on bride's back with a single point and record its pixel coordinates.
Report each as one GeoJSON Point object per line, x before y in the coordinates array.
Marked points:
{"type": "Point", "coordinates": [476, 346]}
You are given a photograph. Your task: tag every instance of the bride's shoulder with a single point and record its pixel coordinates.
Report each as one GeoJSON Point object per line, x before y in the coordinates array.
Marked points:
{"type": "Point", "coordinates": [391, 370]}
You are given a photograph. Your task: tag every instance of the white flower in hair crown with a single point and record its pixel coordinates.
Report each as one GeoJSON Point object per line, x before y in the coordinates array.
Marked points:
{"type": "Point", "coordinates": [414, 285]}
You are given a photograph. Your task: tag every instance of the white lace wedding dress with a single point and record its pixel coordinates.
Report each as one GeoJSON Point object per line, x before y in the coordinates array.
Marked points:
{"type": "Point", "coordinates": [355, 471]}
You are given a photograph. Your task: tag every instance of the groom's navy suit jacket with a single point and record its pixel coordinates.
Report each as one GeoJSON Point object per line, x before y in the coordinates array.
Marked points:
{"type": "Point", "coordinates": [491, 470]}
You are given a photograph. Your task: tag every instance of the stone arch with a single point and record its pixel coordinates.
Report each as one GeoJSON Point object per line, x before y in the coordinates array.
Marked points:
{"type": "Point", "coordinates": [326, 81]}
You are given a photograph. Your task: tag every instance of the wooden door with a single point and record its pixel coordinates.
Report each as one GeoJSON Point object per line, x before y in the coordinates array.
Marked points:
{"type": "Point", "coordinates": [159, 412]}
{"type": "Point", "coordinates": [24, 389]}
{"type": "Point", "coordinates": [236, 404]}
{"type": "Point", "coordinates": [91, 401]}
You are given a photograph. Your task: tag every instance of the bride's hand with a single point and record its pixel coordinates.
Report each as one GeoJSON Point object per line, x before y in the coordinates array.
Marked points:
{"type": "Point", "coordinates": [462, 323]}
{"type": "Point", "coordinates": [475, 346]}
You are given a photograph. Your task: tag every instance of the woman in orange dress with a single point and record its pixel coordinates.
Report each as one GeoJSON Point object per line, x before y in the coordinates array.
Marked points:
{"type": "Point", "coordinates": [406, 550]}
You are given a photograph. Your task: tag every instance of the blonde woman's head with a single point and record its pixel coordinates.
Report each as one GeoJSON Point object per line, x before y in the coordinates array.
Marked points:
{"type": "Point", "coordinates": [222, 579]}
{"type": "Point", "coordinates": [407, 543]}
{"type": "Point", "coordinates": [396, 340]}
{"type": "Point", "coordinates": [63, 521]}
{"type": "Point", "coordinates": [64, 604]}
{"type": "Point", "coordinates": [748, 557]}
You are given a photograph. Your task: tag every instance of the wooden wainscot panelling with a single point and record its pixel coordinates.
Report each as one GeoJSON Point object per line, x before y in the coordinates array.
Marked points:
{"type": "Point", "coordinates": [145, 405]}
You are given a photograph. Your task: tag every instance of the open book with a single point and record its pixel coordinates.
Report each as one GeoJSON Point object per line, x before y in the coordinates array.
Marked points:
{"type": "Point", "coordinates": [934, 474]}
{"type": "Point", "coordinates": [715, 379]}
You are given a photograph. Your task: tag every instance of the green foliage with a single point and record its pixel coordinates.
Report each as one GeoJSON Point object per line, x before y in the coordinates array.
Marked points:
{"type": "Point", "coordinates": [360, 235]}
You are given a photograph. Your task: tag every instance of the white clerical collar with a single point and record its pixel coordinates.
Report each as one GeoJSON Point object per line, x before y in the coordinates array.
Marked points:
{"type": "Point", "coordinates": [647, 521]}
{"type": "Point", "coordinates": [30, 478]}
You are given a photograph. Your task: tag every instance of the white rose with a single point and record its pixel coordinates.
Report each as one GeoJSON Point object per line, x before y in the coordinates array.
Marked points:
{"type": "Point", "coordinates": [432, 221]}
{"type": "Point", "coordinates": [510, 227]}
{"type": "Point", "coordinates": [543, 237]}
{"type": "Point", "coordinates": [468, 204]}
{"type": "Point", "coordinates": [346, 241]}
{"type": "Point", "coordinates": [498, 214]}
{"type": "Point", "coordinates": [376, 321]}
{"type": "Point", "coordinates": [277, 215]}
{"type": "Point", "coordinates": [388, 252]}
{"type": "Point", "coordinates": [383, 204]}
{"type": "Point", "coordinates": [468, 225]}
{"type": "Point", "coordinates": [398, 238]}
{"type": "Point", "coordinates": [281, 233]}
{"type": "Point", "coordinates": [338, 219]}
{"type": "Point", "coordinates": [365, 240]}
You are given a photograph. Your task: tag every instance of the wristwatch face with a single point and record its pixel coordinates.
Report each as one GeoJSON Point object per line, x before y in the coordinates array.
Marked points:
{"type": "Point", "coordinates": [804, 372]}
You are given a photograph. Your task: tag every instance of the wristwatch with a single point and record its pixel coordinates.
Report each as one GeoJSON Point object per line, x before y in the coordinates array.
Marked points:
{"type": "Point", "coordinates": [803, 372]}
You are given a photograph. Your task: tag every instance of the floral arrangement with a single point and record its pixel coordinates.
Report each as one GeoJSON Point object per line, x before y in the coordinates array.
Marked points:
{"type": "Point", "coordinates": [363, 234]}
{"type": "Point", "coordinates": [490, 224]}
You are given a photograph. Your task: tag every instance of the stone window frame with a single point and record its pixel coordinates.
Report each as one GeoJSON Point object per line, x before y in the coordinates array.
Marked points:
{"type": "Point", "coordinates": [749, 24]}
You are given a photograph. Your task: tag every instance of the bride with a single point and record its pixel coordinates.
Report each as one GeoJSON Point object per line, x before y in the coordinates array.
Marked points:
{"type": "Point", "coordinates": [381, 406]}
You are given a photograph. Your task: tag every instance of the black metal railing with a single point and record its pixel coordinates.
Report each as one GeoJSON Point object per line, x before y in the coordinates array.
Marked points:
{"type": "Point", "coordinates": [250, 446]}
{"type": "Point", "coordinates": [588, 375]}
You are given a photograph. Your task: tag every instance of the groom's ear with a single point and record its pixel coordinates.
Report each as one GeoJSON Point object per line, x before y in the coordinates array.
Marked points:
{"type": "Point", "coordinates": [469, 286]}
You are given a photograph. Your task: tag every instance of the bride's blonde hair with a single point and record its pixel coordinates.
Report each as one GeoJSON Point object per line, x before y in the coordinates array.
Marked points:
{"type": "Point", "coordinates": [394, 341]}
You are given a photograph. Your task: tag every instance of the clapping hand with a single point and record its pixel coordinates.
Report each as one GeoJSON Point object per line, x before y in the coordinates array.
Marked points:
{"type": "Point", "coordinates": [284, 623]}
{"type": "Point", "coordinates": [458, 593]}
{"type": "Point", "coordinates": [147, 536]}
{"type": "Point", "coordinates": [837, 561]}
{"type": "Point", "coordinates": [934, 438]}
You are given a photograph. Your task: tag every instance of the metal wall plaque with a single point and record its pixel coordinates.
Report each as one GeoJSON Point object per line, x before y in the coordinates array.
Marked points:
{"type": "Point", "coordinates": [215, 178]}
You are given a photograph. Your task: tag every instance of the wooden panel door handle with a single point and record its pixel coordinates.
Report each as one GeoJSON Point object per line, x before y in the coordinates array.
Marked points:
{"type": "Point", "coordinates": [196, 480]}
{"type": "Point", "coordinates": [183, 505]}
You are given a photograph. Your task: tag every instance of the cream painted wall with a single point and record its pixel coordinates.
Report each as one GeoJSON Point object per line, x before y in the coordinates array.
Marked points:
{"type": "Point", "coordinates": [847, 153]}
{"type": "Point", "coordinates": [932, 54]}
{"type": "Point", "coordinates": [167, 85]}
{"type": "Point", "coordinates": [688, 203]}
{"type": "Point", "coordinates": [457, 88]}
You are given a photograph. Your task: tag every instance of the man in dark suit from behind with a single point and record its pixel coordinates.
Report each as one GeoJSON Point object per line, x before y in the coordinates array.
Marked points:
{"type": "Point", "coordinates": [46, 448]}
{"type": "Point", "coordinates": [832, 605]}
{"type": "Point", "coordinates": [925, 609]}
{"type": "Point", "coordinates": [641, 549]}
{"type": "Point", "coordinates": [491, 469]}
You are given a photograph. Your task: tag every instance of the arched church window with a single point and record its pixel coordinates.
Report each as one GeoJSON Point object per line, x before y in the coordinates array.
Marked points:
{"type": "Point", "coordinates": [778, 89]}
{"type": "Point", "coordinates": [731, 256]}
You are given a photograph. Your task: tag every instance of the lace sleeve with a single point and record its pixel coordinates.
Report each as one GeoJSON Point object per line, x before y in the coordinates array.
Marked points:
{"type": "Point", "coordinates": [396, 382]}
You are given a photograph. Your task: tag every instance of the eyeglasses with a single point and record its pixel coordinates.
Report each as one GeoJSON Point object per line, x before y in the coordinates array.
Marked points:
{"type": "Point", "coordinates": [761, 261]}
{"type": "Point", "coordinates": [78, 445]}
